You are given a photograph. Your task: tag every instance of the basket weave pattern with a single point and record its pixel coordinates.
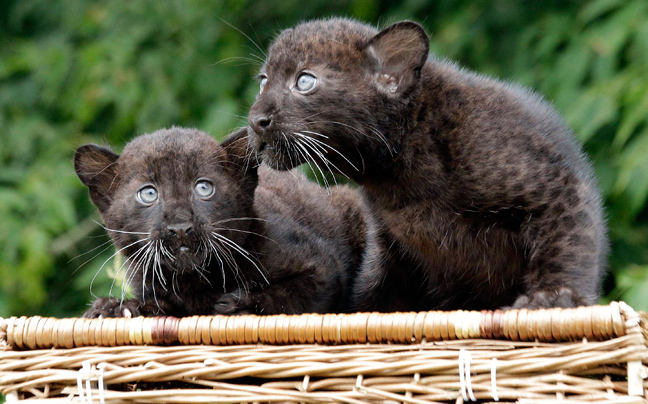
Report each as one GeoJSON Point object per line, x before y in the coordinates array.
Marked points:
{"type": "Point", "coordinates": [593, 354]}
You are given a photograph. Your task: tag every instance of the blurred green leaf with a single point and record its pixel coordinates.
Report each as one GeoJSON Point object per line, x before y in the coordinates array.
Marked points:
{"type": "Point", "coordinates": [633, 286]}
{"type": "Point", "coordinates": [633, 176]}
{"type": "Point", "coordinates": [596, 8]}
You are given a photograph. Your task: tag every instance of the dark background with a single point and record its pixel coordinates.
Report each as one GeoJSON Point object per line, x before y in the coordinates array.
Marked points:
{"type": "Point", "coordinates": [74, 72]}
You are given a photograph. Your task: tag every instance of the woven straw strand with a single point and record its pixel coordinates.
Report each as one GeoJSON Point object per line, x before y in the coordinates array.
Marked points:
{"type": "Point", "coordinates": [550, 325]}
{"type": "Point", "coordinates": [316, 373]}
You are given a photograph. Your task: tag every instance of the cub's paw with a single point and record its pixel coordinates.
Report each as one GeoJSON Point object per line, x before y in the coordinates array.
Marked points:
{"type": "Point", "coordinates": [234, 304]}
{"type": "Point", "coordinates": [543, 299]}
{"type": "Point", "coordinates": [111, 307]}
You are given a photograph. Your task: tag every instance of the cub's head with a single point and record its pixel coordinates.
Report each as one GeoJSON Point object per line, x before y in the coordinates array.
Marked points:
{"type": "Point", "coordinates": [338, 93]}
{"type": "Point", "coordinates": [172, 195]}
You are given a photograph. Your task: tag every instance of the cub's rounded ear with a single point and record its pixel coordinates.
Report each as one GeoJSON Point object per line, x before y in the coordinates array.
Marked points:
{"type": "Point", "coordinates": [237, 148]}
{"type": "Point", "coordinates": [240, 157]}
{"type": "Point", "coordinates": [96, 168]}
{"type": "Point", "coordinates": [396, 55]}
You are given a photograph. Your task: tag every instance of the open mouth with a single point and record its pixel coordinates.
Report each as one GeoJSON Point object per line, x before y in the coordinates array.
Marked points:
{"type": "Point", "coordinates": [265, 146]}
{"type": "Point", "coordinates": [185, 249]}
{"type": "Point", "coordinates": [187, 257]}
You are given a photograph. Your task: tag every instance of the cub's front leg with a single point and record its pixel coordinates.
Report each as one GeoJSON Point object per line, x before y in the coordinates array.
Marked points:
{"type": "Point", "coordinates": [104, 307]}
{"type": "Point", "coordinates": [307, 292]}
{"type": "Point", "coordinates": [236, 303]}
{"type": "Point", "coordinates": [265, 301]}
{"type": "Point", "coordinates": [110, 307]}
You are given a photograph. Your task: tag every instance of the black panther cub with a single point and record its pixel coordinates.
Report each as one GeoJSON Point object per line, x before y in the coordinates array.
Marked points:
{"type": "Point", "coordinates": [206, 232]}
{"type": "Point", "coordinates": [483, 197]}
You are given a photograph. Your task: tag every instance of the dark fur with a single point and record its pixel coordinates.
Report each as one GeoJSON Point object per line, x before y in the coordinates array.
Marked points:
{"type": "Point", "coordinates": [304, 241]}
{"type": "Point", "coordinates": [482, 197]}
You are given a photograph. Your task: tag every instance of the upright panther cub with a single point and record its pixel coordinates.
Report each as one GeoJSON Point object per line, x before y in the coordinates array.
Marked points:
{"type": "Point", "coordinates": [206, 232]}
{"type": "Point", "coordinates": [483, 197]}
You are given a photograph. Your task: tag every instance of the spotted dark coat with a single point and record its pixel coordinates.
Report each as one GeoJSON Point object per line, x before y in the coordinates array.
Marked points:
{"type": "Point", "coordinates": [481, 196]}
{"type": "Point", "coordinates": [300, 243]}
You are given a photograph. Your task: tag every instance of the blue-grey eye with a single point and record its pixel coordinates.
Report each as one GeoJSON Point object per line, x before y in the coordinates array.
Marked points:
{"type": "Point", "coordinates": [204, 189]}
{"type": "Point", "coordinates": [306, 82]}
{"type": "Point", "coordinates": [147, 195]}
{"type": "Point", "coordinates": [262, 84]}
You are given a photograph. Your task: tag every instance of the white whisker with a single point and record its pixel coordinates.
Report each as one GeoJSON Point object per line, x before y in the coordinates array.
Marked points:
{"type": "Point", "coordinates": [308, 159]}
{"type": "Point", "coordinates": [234, 219]}
{"type": "Point", "coordinates": [88, 252]}
{"type": "Point", "coordinates": [157, 265]}
{"type": "Point", "coordinates": [109, 258]}
{"type": "Point", "coordinates": [122, 231]}
{"type": "Point", "coordinates": [94, 256]}
{"type": "Point", "coordinates": [246, 232]}
{"type": "Point", "coordinates": [174, 281]}
{"type": "Point", "coordinates": [128, 261]}
{"type": "Point", "coordinates": [136, 263]}
{"type": "Point", "coordinates": [306, 145]}
{"type": "Point", "coordinates": [375, 131]}
{"type": "Point", "coordinates": [229, 258]}
{"type": "Point", "coordinates": [322, 144]}
{"type": "Point", "coordinates": [148, 257]}
{"type": "Point", "coordinates": [241, 251]}
{"type": "Point", "coordinates": [220, 261]}
{"type": "Point", "coordinates": [319, 150]}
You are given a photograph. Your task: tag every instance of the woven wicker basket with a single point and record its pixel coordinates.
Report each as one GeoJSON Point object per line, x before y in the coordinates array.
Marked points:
{"type": "Point", "coordinates": [589, 354]}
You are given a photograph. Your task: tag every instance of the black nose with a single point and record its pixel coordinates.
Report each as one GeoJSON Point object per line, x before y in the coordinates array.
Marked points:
{"type": "Point", "coordinates": [260, 123]}
{"type": "Point", "coordinates": [180, 230]}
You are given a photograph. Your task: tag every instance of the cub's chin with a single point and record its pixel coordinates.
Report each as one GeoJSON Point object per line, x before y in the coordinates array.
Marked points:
{"type": "Point", "coordinates": [276, 157]}
{"type": "Point", "coordinates": [186, 260]}
{"type": "Point", "coordinates": [274, 154]}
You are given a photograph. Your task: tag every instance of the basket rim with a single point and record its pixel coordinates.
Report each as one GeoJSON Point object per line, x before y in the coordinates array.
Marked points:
{"type": "Point", "coordinates": [599, 322]}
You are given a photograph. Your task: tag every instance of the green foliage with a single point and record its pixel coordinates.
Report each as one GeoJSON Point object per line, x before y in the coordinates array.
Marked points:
{"type": "Point", "coordinates": [84, 71]}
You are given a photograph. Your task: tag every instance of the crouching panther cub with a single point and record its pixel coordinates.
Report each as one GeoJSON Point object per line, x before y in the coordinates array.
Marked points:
{"type": "Point", "coordinates": [205, 231]}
